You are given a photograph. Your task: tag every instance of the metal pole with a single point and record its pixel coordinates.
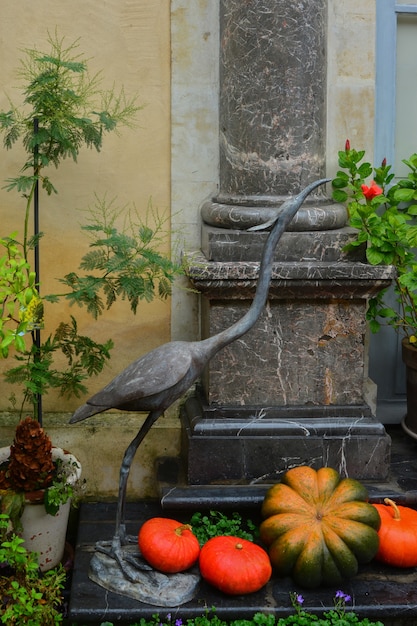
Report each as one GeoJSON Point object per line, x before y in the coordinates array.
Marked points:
{"type": "Point", "coordinates": [37, 332]}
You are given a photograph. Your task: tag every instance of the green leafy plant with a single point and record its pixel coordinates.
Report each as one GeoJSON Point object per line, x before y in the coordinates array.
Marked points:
{"type": "Point", "coordinates": [17, 290]}
{"type": "Point", "coordinates": [26, 595]}
{"type": "Point", "coordinates": [64, 109]}
{"type": "Point", "coordinates": [340, 615]}
{"type": "Point", "coordinates": [121, 262]}
{"type": "Point", "coordinates": [215, 523]}
{"type": "Point", "coordinates": [61, 490]}
{"type": "Point", "coordinates": [383, 212]}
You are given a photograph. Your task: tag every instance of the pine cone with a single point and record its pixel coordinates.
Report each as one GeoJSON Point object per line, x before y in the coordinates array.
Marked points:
{"type": "Point", "coordinates": [31, 466]}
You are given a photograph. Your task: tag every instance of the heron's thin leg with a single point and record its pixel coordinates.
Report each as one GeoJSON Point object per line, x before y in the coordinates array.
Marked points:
{"type": "Point", "coordinates": [120, 531]}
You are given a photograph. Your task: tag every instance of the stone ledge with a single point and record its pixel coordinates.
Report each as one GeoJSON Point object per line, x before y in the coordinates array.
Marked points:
{"type": "Point", "coordinates": [377, 591]}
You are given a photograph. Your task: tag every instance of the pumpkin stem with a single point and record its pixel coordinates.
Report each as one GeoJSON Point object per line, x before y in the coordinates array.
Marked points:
{"type": "Point", "coordinates": [180, 529]}
{"type": "Point", "coordinates": [397, 516]}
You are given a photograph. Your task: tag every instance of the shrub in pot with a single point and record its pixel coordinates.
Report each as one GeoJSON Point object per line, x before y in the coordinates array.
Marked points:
{"type": "Point", "coordinates": [383, 212]}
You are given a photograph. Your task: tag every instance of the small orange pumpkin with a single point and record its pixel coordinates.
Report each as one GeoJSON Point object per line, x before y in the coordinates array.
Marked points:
{"type": "Point", "coordinates": [234, 565]}
{"type": "Point", "coordinates": [168, 545]}
{"type": "Point", "coordinates": [397, 534]}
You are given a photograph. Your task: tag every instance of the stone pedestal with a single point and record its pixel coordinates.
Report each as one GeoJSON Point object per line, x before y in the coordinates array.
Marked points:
{"type": "Point", "coordinates": [292, 390]}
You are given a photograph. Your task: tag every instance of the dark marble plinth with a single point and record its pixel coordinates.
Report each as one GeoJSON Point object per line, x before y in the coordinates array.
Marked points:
{"type": "Point", "coordinates": [251, 445]}
{"type": "Point", "coordinates": [378, 592]}
{"type": "Point", "coordinates": [305, 359]}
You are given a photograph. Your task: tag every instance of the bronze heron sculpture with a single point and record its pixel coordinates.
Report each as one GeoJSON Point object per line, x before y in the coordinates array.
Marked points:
{"type": "Point", "coordinates": [156, 380]}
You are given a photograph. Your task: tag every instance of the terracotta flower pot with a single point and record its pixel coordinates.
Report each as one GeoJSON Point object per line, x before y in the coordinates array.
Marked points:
{"type": "Point", "coordinates": [409, 356]}
{"type": "Point", "coordinates": [44, 533]}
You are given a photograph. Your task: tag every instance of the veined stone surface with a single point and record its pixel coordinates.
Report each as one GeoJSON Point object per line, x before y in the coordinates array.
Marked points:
{"type": "Point", "coordinates": [272, 96]}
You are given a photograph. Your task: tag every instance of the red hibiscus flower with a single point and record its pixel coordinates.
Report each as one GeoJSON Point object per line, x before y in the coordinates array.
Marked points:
{"type": "Point", "coordinates": [371, 191]}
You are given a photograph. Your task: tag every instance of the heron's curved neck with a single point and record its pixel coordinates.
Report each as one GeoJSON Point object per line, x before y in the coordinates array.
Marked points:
{"type": "Point", "coordinates": [239, 328]}
{"type": "Point", "coordinates": [246, 322]}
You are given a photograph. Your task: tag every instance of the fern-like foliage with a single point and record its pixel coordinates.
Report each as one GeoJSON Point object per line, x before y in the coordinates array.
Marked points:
{"type": "Point", "coordinates": [63, 110]}
{"type": "Point", "coordinates": [36, 372]}
{"type": "Point", "coordinates": [61, 95]}
{"type": "Point", "coordinates": [122, 263]}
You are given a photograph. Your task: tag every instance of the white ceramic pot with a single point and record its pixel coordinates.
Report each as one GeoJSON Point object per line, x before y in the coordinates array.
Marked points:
{"type": "Point", "coordinates": [44, 533]}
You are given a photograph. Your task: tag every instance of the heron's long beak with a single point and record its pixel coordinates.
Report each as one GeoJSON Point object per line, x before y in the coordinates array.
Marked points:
{"type": "Point", "coordinates": [291, 201]}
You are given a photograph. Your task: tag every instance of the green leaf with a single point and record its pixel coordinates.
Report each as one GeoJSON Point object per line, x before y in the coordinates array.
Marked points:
{"type": "Point", "coordinates": [374, 326]}
{"type": "Point", "coordinates": [365, 170]}
{"type": "Point", "coordinates": [387, 313]}
{"type": "Point", "coordinates": [51, 507]}
{"type": "Point", "coordinates": [339, 195]}
{"type": "Point", "coordinates": [405, 195]}
{"type": "Point", "coordinates": [375, 257]}
{"type": "Point", "coordinates": [341, 180]}
{"type": "Point", "coordinates": [412, 209]}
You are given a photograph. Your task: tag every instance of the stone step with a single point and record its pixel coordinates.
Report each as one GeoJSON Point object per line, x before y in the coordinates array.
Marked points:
{"type": "Point", "coordinates": [401, 484]}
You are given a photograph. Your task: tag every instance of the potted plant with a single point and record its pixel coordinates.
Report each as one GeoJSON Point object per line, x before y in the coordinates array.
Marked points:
{"type": "Point", "coordinates": [37, 483]}
{"type": "Point", "coordinates": [62, 111]}
{"type": "Point", "coordinates": [383, 211]}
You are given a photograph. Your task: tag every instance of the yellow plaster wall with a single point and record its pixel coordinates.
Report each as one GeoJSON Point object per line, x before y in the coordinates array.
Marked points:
{"type": "Point", "coordinates": [351, 77]}
{"type": "Point", "coordinates": [130, 42]}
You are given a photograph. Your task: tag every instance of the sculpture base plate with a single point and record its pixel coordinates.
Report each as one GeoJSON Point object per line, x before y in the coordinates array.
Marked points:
{"type": "Point", "coordinates": [152, 587]}
{"type": "Point", "coordinates": [255, 445]}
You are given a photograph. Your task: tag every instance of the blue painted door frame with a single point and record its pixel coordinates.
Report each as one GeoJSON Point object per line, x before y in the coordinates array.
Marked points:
{"type": "Point", "coordinates": [386, 367]}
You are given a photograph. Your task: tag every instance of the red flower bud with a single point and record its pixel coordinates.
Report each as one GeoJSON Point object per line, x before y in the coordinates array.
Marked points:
{"type": "Point", "coordinates": [347, 145]}
{"type": "Point", "coordinates": [384, 162]}
{"type": "Point", "coordinates": [371, 191]}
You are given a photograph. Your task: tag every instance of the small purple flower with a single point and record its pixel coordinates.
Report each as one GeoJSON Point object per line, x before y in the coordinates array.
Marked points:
{"type": "Point", "coordinates": [343, 596]}
{"type": "Point", "coordinates": [169, 617]}
{"type": "Point", "coordinates": [178, 622]}
{"type": "Point", "coordinates": [299, 599]}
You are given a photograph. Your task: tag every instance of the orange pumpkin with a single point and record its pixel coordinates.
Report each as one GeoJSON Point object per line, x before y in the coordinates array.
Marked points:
{"type": "Point", "coordinates": [168, 545]}
{"type": "Point", "coordinates": [397, 534]}
{"type": "Point", "coordinates": [318, 526]}
{"type": "Point", "coordinates": [234, 565]}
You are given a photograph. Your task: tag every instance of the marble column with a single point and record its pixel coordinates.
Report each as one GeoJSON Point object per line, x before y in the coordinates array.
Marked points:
{"type": "Point", "coordinates": [293, 390]}
{"type": "Point", "coordinates": [272, 113]}
{"type": "Point", "coordinates": [272, 97]}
